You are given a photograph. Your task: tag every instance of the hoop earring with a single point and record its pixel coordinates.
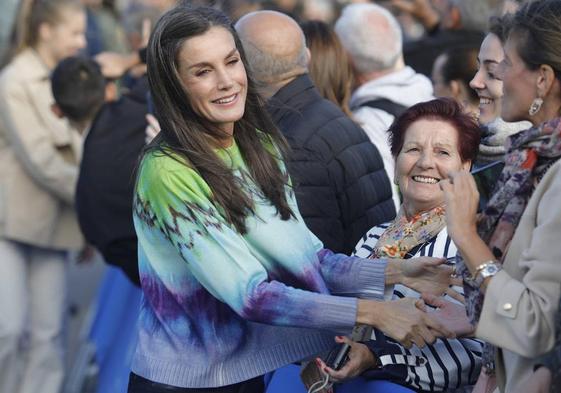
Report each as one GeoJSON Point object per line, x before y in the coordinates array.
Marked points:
{"type": "Point", "coordinates": [535, 107]}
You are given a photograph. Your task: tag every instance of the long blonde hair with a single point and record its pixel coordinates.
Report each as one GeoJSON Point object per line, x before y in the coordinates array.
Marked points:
{"type": "Point", "coordinates": [29, 17]}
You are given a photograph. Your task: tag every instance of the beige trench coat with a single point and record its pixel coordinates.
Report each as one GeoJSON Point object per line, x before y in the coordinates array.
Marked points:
{"type": "Point", "coordinates": [39, 156]}
{"type": "Point", "coordinates": [522, 300]}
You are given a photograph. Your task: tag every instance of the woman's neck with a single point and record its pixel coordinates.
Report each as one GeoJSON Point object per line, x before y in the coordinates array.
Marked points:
{"type": "Point", "coordinates": [45, 56]}
{"type": "Point", "coordinates": [411, 211]}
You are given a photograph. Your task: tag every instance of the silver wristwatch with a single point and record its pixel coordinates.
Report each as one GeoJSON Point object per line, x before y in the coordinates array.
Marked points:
{"type": "Point", "coordinates": [487, 269]}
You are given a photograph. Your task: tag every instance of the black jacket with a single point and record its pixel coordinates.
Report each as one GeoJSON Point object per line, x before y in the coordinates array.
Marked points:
{"type": "Point", "coordinates": [106, 182]}
{"type": "Point", "coordinates": [341, 187]}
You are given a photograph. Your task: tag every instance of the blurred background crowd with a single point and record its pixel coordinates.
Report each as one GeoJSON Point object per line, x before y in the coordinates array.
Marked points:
{"type": "Point", "coordinates": [66, 204]}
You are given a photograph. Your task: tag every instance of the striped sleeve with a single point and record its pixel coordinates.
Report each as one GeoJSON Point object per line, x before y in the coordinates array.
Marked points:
{"type": "Point", "coordinates": [442, 366]}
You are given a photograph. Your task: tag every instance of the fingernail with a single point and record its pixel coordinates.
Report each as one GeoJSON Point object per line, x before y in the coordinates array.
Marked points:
{"type": "Point", "coordinates": [340, 337]}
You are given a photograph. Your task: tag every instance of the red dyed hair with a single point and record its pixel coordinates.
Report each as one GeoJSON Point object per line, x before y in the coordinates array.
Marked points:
{"type": "Point", "coordinates": [444, 109]}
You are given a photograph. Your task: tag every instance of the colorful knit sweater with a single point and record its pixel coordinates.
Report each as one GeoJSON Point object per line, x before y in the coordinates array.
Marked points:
{"type": "Point", "coordinates": [220, 307]}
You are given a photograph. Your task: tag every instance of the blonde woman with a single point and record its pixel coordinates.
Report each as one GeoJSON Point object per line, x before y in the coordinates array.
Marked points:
{"type": "Point", "coordinates": [38, 172]}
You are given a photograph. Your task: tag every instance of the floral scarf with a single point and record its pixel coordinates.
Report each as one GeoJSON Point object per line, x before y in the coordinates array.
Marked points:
{"type": "Point", "coordinates": [530, 154]}
{"type": "Point", "coordinates": [404, 234]}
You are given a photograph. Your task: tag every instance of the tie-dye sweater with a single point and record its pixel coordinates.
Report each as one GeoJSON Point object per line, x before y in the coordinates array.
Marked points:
{"type": "Point", "coordinates": [220, 307]}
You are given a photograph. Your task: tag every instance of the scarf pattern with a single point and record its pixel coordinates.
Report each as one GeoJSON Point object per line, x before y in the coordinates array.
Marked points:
{"type": "Point", "coordinates": [404, 234]}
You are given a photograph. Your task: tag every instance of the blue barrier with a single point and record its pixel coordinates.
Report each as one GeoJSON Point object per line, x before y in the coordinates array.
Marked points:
{"type": "Point", "coordinates": [113, 331]}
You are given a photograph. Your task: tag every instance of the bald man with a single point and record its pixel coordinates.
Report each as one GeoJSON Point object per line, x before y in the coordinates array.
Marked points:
{"type": "Point", "coordinates": [341, 187]}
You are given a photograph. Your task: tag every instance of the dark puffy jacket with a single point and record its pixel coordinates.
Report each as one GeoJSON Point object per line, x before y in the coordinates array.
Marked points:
{"type": "Point", "coordinates": [341, 187]}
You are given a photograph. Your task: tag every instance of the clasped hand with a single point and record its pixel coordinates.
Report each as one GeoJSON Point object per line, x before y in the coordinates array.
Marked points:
{"type": "Point", "coordinates": [424, 274]}
{"type": "Point", "coordinates": [405, 320]}
{"type": "Point", "coordinates": [450, 316]}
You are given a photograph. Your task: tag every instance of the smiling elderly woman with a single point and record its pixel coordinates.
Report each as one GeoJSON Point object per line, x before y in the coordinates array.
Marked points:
{"type": "Point", "coordinates": [428, 141]}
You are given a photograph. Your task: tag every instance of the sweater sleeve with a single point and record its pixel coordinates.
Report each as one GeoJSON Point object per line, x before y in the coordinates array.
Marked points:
{"type": "Point", "coordinates": [353, 276]}
{"type": "Point", "coordinates": [177, 202]}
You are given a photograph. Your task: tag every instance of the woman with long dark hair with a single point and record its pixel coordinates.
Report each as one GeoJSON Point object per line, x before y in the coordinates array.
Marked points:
{"type": "Point", "coordinates": [234, 283]}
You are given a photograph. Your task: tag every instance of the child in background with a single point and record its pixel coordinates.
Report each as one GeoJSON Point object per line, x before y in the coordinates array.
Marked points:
{"type": "Point", "coordinates": [80, 89]}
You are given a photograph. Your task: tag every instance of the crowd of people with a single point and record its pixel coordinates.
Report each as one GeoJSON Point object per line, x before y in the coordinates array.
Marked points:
{"type": "Point", "coordinates": [284, 181]}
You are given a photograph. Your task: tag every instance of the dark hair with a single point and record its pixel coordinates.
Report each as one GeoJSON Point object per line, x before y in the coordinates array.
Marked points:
{"type": "Point", "coordinates": [329, 67]}
{"type": "Point", "coordinates": [498, 26]}
{"type": "Point", "coordinates": [537, 27]}
{"type": "Point", "coordinates": [78, 87]}
{"type": "Point", "coordinates": [29, 17]}
{"type": "Point", "coordinates": [187, 133]}
{"type": "Point", "coordinates": [461, 65]}
{"type": "Point", "coordinates": [444, 109]}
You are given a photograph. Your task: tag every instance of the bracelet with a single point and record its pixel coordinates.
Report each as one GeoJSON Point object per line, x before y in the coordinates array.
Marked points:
{"type": "Point", "coordinates": [485, 270]}
{"type": "Point", "coordinates": [480, 267]}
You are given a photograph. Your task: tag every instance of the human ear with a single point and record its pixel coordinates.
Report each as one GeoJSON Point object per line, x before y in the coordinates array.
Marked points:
{"type": "Point", "coordinates": [545, 81]}
{"type": "Point", "coordinates": [456, 90]}
{"type": "Point", "coordinates": [45, 32]}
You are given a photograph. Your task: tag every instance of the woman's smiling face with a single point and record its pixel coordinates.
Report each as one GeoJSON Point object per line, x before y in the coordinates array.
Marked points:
{"type": "Point", "coordinates": [429, 153]}
{"type": "Point", "coordinates": [214, 77]}
{"type": "Point", "coordinates": [486, 82]}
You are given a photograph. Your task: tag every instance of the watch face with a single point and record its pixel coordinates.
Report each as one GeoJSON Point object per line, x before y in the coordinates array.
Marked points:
{"type": "Point", "coordinates": [490, 270]}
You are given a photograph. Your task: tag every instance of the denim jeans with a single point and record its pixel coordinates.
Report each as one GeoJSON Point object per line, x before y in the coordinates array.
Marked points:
{"type": "Point", "coordinates": [137, 384]}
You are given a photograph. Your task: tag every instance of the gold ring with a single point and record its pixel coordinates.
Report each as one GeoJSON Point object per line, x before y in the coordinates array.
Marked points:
{"type": "Point", "coordinates": [454, 273]}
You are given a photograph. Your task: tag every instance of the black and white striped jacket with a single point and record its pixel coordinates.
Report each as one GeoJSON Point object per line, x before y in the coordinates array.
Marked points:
{"type": "Point", "coordinates": [445, 365]}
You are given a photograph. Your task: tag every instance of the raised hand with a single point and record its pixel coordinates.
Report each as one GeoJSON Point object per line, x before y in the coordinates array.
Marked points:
{"type": "Point", "coordinates": [422, 10]}
{"type": "Point", "coordinates": [152, 128]}
{"type": "Point", "coordinates": [462, 199]}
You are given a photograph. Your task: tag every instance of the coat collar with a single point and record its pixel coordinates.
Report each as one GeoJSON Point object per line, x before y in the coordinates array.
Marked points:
{"type": "Point", "coordinates": [29, 63]}
{"type": "Point", "coordinates": [294, 95]}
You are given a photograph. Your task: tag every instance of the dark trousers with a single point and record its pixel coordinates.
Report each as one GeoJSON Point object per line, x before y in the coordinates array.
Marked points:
{"type": "Point", "coordinates": [137, 384]}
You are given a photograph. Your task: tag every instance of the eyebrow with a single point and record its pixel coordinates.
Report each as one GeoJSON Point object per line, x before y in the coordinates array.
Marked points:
{"type": "Point", "coordinates": [445, 144]}
{"type": "Point", "coordinates": [438, 144]}
{"type": "Point", "coordinates": [204, 63]}
{"type": "Point", "coordinates": [488, 61]}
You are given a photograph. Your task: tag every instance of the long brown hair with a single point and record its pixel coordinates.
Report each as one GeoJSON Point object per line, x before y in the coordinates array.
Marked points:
{"type": "Point", "coordinates": [329, 67]}
{"type": "Point", "coordinates": [187, 133]}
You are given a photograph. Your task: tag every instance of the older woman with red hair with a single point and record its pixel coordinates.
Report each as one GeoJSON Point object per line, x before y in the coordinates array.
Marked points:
{"type": "Point", "coordinates": [429, 141]}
